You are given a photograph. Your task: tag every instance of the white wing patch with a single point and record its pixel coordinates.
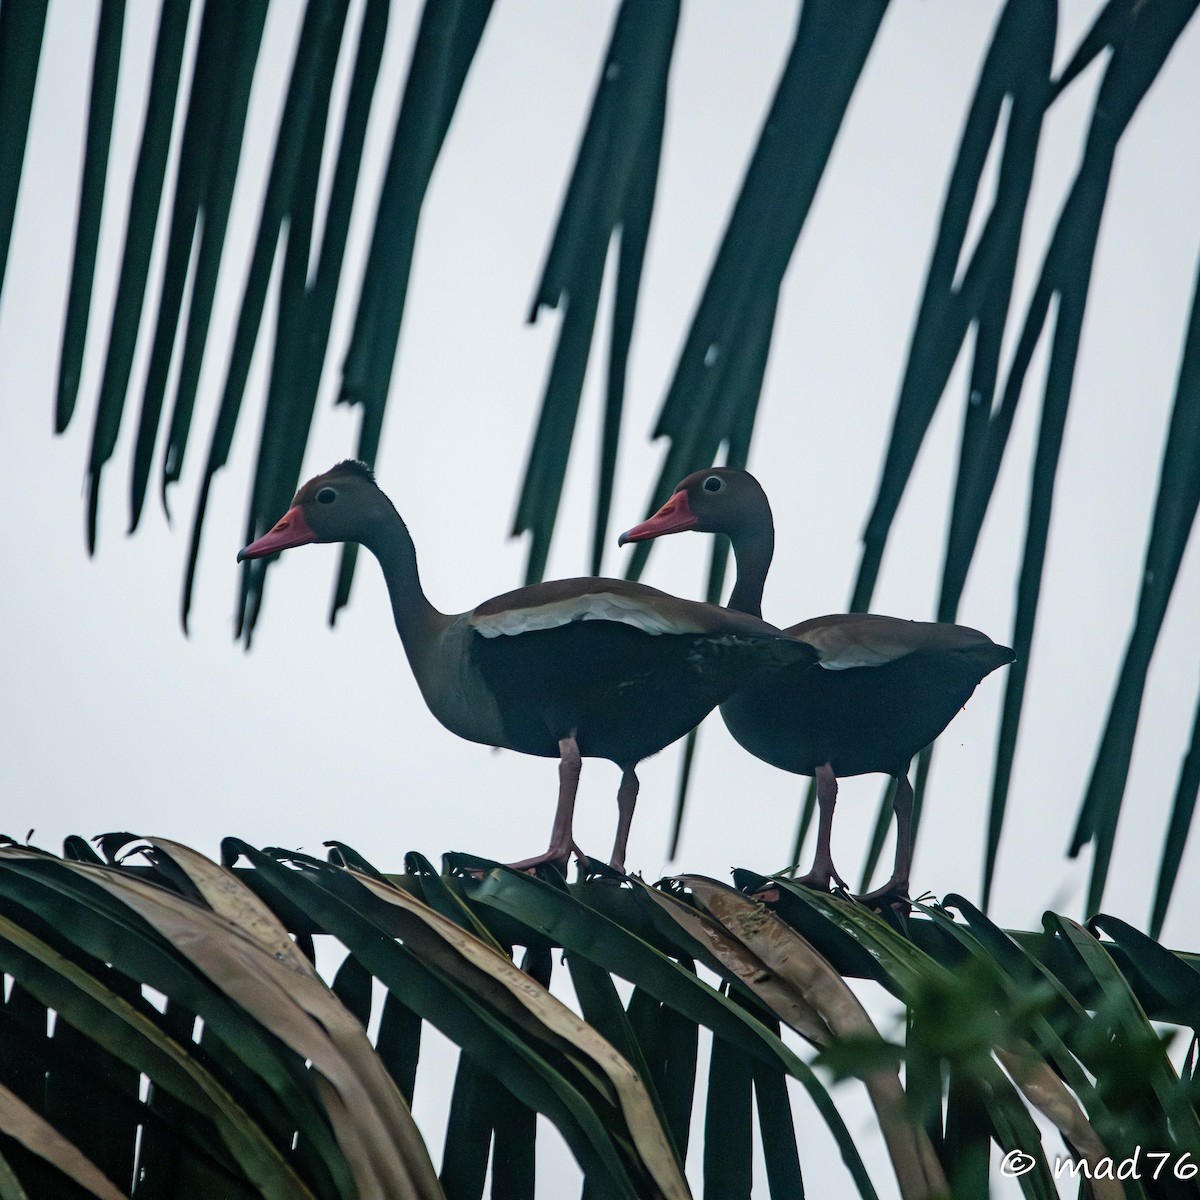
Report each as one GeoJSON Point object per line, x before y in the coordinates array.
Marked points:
{"type": "Point", "coordinates": [847, 640]}
{"type": "Point", "coordinates": [841, 652]}
{"type": "Point", "coordinates": [597, 606]}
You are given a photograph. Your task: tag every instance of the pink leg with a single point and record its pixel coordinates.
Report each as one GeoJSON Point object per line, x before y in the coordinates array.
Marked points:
{"type": "Point", "coordinates": [896, 888]}
{"type": "Point", "coordinates": [562, 843]}
{"type": "Point", "coordinates": [627, 795]}
{"type": "Point", "coordinates": [823, 869]}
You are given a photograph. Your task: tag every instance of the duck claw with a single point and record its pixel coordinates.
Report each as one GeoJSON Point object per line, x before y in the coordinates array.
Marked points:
{"type": "Point", "coordinates": [554, 856]}
{"type": "Point", "coordinates": [893, 894]}
{"type": "Point", "coordinates": [821, 879]}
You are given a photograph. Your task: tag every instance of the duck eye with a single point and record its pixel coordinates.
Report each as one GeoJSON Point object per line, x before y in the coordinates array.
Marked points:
{"type": "Point", "coordinates": [326, 496]}
{"type": "Point", "coordinates": [714, 483]}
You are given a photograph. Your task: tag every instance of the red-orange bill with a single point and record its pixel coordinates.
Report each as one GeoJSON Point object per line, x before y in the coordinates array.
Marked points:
{"type": "Point", "coordinates": [290, 530]}
{"type": "Point", "coordinates": [674, 516]}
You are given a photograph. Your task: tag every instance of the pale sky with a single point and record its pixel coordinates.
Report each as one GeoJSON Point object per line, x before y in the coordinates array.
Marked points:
{"type": "Point", "coordinates": [113, 720]}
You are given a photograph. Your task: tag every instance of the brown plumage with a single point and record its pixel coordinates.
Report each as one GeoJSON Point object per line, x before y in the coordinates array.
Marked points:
{"type": "Point", "coordinates": [887, 689]}
{"type": "Point", "coordinates": [572, 669]}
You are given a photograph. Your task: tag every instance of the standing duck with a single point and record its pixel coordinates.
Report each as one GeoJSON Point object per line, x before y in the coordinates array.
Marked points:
{"type": "Point", "coordinates": [577, 668]}
{"type": "Point", "coordinates": [889, 687]}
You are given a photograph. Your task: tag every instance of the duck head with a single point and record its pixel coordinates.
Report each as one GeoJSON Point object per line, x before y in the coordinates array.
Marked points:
{"type": "Point", "coordinates": [715, 500]}
{"type": "Point", "coordinates": [342, 505]}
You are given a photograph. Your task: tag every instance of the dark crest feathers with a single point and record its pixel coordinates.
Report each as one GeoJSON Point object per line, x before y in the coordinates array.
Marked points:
{"type": "Point", "coordinates": [351, 466]}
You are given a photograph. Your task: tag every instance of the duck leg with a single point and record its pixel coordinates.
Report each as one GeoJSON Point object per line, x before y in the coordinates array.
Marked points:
{"type": "Point", "coordinates": [896, 888]}
{"type": "Point", "coordinates": [823, 870]}
{"type": "Point", "coordinates": [627, 795]}
{"type": "Point", "coordinates": [562, 844]}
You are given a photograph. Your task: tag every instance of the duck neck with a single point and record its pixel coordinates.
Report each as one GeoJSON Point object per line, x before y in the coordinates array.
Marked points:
{"type": "Point", "coordinates": [752, 551]}
{"type": "Point", "coordinates": [417, 621]}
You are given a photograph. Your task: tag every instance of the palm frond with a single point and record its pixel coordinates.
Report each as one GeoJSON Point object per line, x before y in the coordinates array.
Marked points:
{"type": "Point", "coordinates": [1065, 279]}
{"type": "Point", "coordinates": [21, 30]}
{"type": "Point", "coordinates": [106, 66]}
{"type": "Point", "coordinates": [1177, 830]}
{"type": "Point", "coordinates": [144, 202]}
{"type": "Point", "coordinates": [612, 187]}
{"type": "Point", "coordinates": [1174, 516]}
{"type": "Point", "coordinates": [713, 395]}
{"type": "Point", "coordinates": [290, 194]}
{"type": "Point", "coordinates": [263, 1081]}
{"type": "Point", "coordinates": [446, 42]}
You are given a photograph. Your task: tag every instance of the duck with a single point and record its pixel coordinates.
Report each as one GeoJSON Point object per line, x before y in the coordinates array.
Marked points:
{"type": "Point", "coordinates": [888, 687]}
{"type": "Point", "coordinates": [569, 669]}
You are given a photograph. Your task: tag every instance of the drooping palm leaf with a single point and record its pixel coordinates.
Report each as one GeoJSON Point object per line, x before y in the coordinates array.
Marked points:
{"type": "Point", "coordinates": [25, 1125]}
{"type": "Point", "coordinates": [1177, 830]}
{"type": "Point", "coordinates": [1174, 516]}
{"type": "Point", "coordinates": [230, 37]}
{"type": "Point", "coordinates": [819, 1004]}
{"type": "Point", "coordinates": [446, 42]}
{"type": "Point", "coordinates": [557, 915]}
{"type": "Point", "coordinates": [1018, 1022]}
{"type": "Point", "coordinates": [140, 227]}
{"type": "Point", "coordinates": [1053, 1015]}
{"type": "Point", "coordinates": [131, 1032]}
{"type": "Point", "coordinates": [1128, 1022]}
{"type": "Point", "coordinates": [1064, 280]}
{"type": "Point", "coordinates": [469, 1126]}
{"type": "Point", "coordinates": [714, 393]}
{"type": "Point", "coordinates": [291, 397]}
{"type": "Point", "coordinates": [21, 29]}
{"type": "Point", "coordinates": [1009, 102]}
{"type": "Point", "coordinates": [105, 70]}
{"type": "Point", "coordinates": [301, 111]}
{"type": "Point", "coordinates": [1140, 46]}
{"type": "Point", "coordinates": [468, 1000]}
{"type": "Point", "coordinates": [612, 188]}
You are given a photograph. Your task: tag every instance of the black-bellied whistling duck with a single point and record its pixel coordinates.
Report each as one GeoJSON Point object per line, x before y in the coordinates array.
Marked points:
{"type": "Point", "coordinates": [578, 668]}
{"type": "Point", "coordinates": [889, 686]}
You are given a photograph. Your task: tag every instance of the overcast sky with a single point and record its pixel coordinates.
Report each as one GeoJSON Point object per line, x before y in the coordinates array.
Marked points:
{"type": "Point", "coordinates": [113, 720]}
